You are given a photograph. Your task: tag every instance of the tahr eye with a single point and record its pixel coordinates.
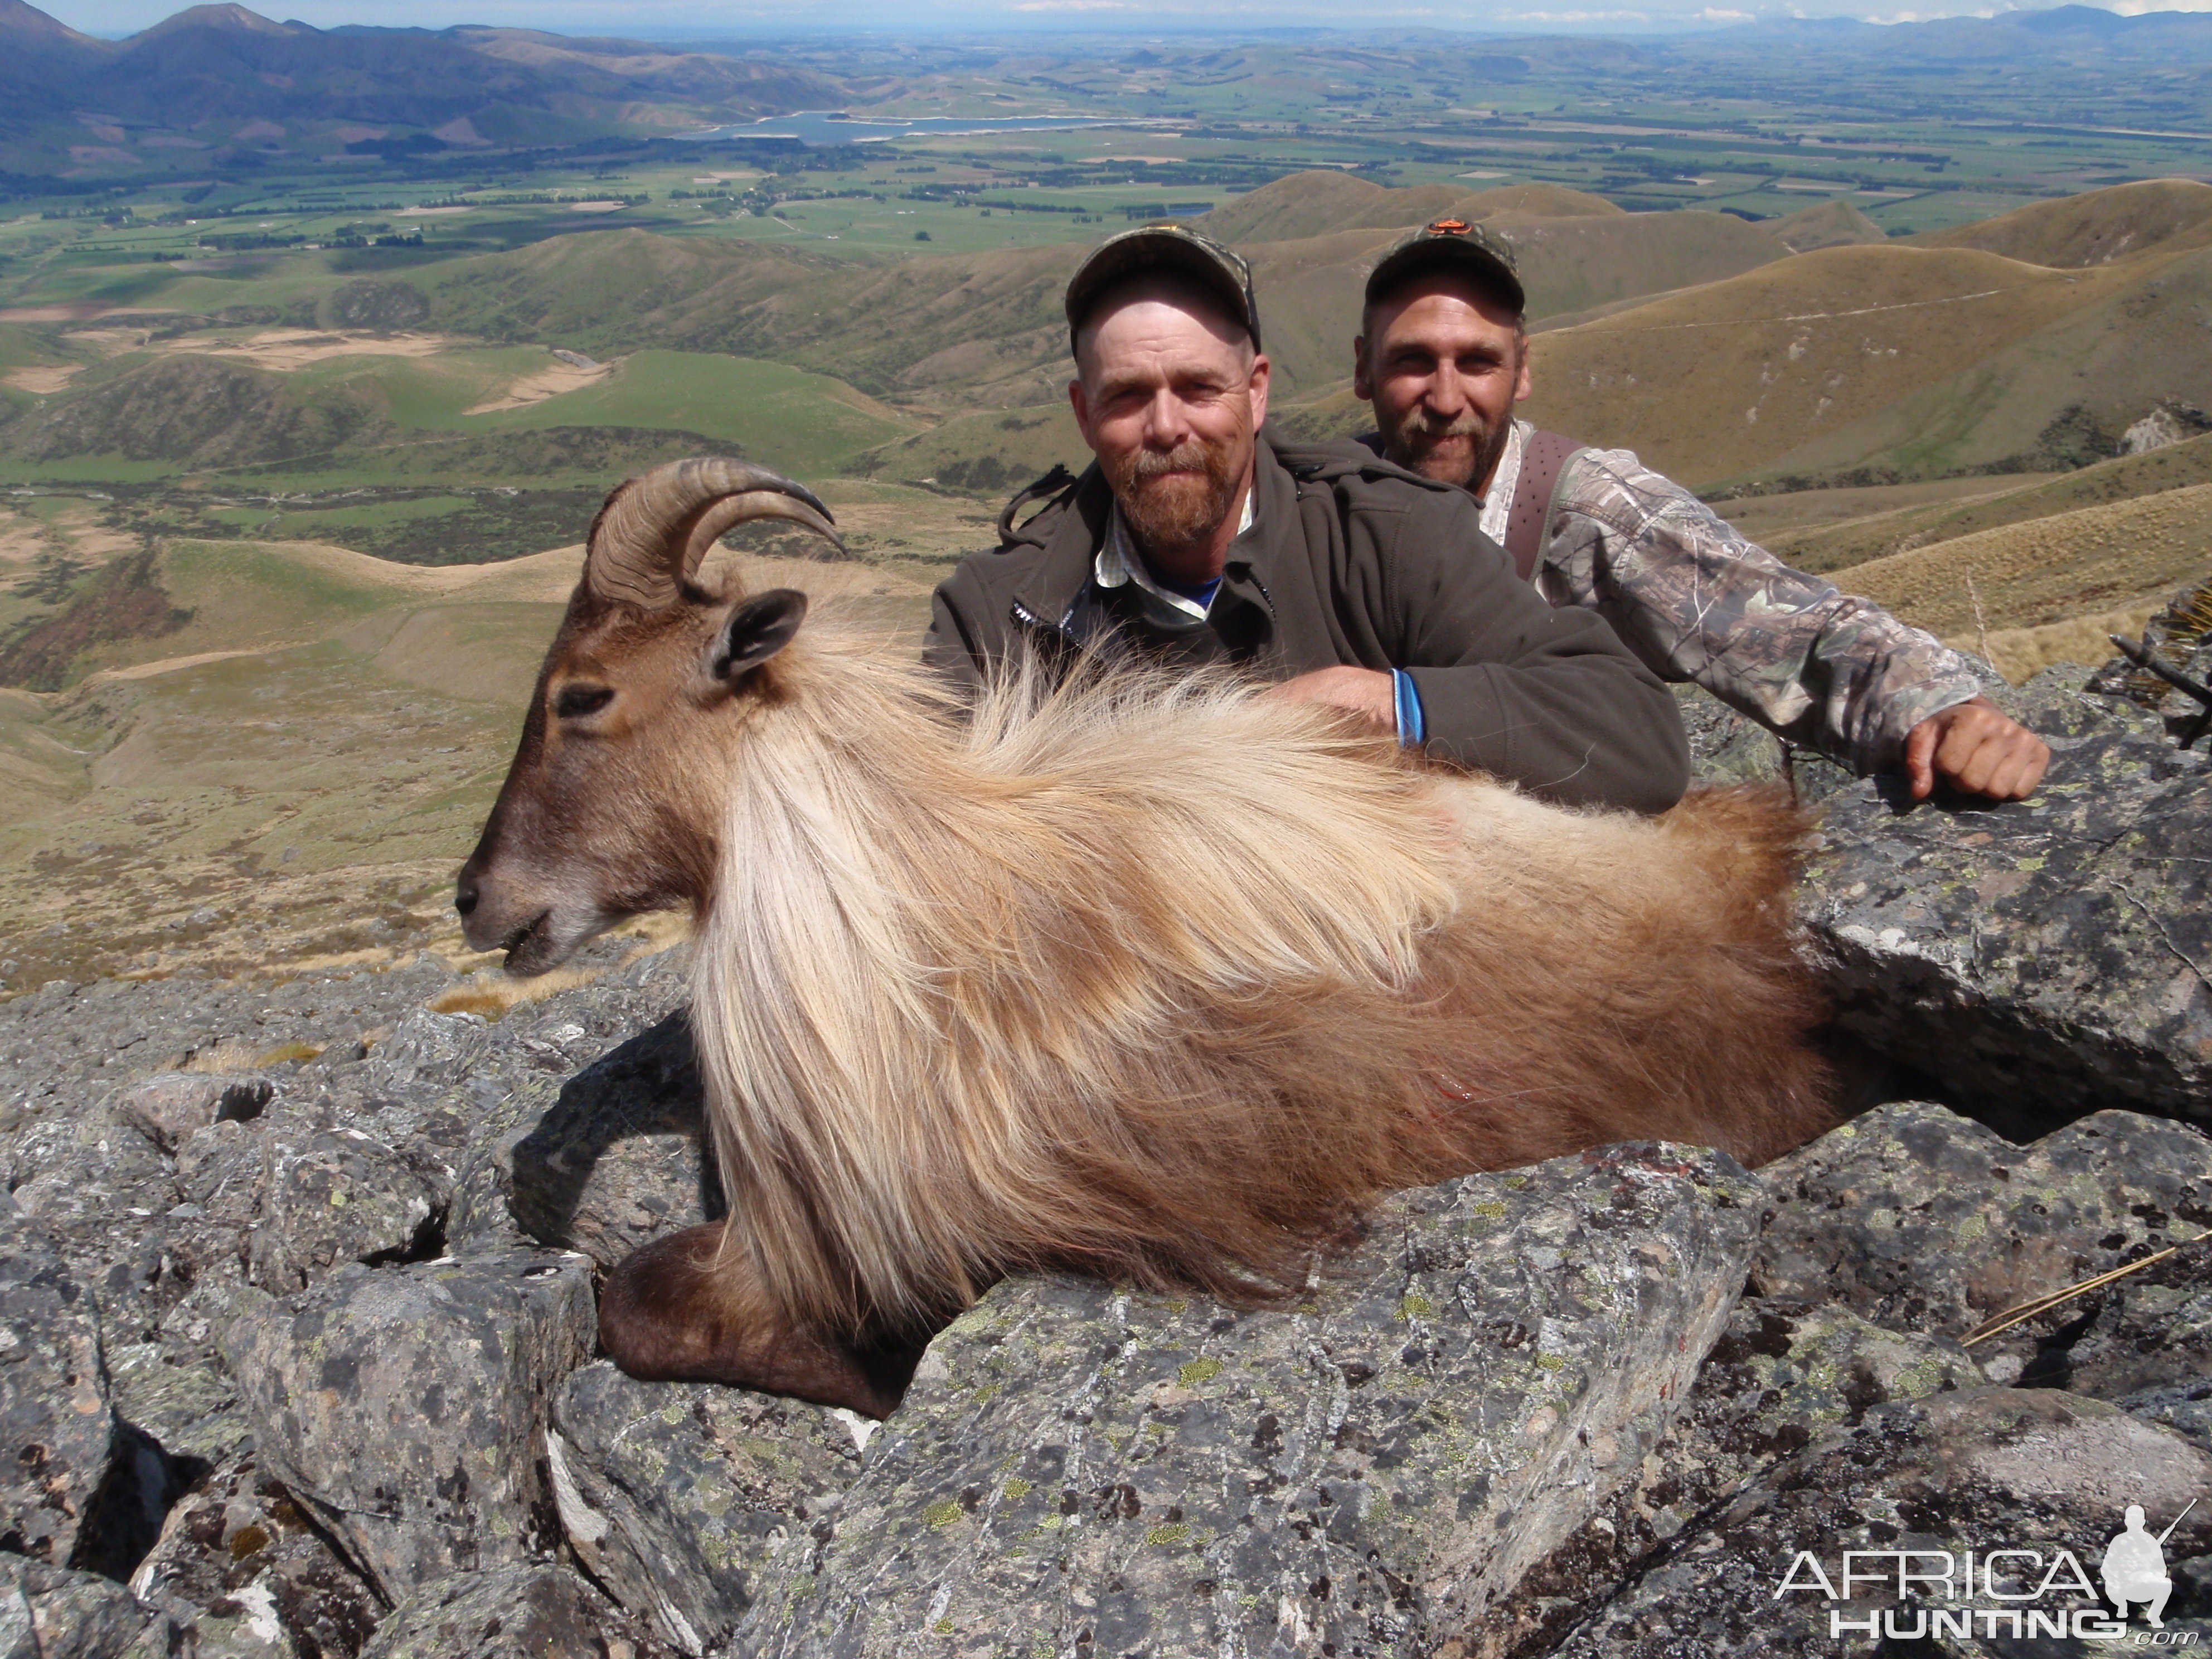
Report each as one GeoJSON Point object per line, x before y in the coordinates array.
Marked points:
{"type": "Point", "coordinates": [577, 701]}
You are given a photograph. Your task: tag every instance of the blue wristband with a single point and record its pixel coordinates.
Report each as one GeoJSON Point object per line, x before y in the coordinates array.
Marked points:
{"type": "Point", "coordinates": [1412, 728]}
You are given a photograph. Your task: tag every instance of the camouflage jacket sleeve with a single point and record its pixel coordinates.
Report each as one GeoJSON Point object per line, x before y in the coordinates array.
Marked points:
{"type": "Point", "coordinates": [1697, 601]}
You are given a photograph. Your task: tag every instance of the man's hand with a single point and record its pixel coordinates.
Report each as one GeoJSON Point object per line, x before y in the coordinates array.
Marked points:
{"type": "Point", "coordinates": [1368, 692]}
{"type": "Point", "coordinates": [1973, 746]}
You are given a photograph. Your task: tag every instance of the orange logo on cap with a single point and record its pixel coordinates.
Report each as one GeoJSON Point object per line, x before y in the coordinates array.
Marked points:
{"type": "Point", "coordinates": [1448, 227]}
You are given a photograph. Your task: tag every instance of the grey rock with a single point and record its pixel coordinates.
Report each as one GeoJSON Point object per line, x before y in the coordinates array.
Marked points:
{"type": "Point", "coordinates": [341, 1196]}
{"type": "Point", "coordinates": [619, 1160]}
{"type": "Point", "coordinates": [1782, 1376]}
{"type": "Point", "coordinates": [1981, 1469]}
{"type": "Point", "coordinates": [404, 1407]}
{"type": "Point", "coordinates": [674, 1495]}
{"type": "Point", "coordinates": [529, 1611]}
{"type": "Point", "coordinates": [1925, 1222]}
{"type": "Point", "coordinates": [52, 1612]}
{"type": "Point", "coordinates": [170, 1105]}
{"type": "Point", "coordinates": [2040, 957]}
{"type": "Point", "coordinates": [84, 1175]}
{"type": "Point", "coordinates": [55, 1427]}
{"type": "Point", "coordinates": [239, 1573]}
{"type": "Point", "coordinates": [2144, 1342]}
{"type": "Point", "coordinates": [1725, 747]}
{"type": "Point", "coordinates": [427, 1049]}
{"type": "Point", "coordinates": [1095, 1471]}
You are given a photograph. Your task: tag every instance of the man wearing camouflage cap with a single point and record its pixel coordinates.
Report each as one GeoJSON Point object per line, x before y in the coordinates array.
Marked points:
{"type": "Point", "coordinates": [1442, 357]}
{"type": "Point", "coordinates": [1196, 537]}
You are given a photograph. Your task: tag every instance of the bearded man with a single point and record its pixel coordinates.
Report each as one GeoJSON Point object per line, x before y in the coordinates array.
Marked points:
{"type": "Point", "coordinates": [1442, 357]}
{"type": "Point", "coordinates": [1196, 538]}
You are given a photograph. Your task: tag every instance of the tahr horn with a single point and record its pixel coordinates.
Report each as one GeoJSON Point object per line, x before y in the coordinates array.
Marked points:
{"type": "Point", "coordinates": [654, 530]}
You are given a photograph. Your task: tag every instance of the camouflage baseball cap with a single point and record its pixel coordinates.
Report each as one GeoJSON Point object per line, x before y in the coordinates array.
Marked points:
{"type": "Point", "coordinates": [1451, 244]}
{"type": "Point", "coordinates": [1163, 247]}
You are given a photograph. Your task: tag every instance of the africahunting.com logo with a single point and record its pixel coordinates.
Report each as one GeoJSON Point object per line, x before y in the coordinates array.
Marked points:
{"type": "Point", "coordinates": [2015, 1593]}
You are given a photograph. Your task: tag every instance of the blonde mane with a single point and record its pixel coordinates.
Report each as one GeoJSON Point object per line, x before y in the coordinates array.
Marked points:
{"type": "Point", "coordinates": [1152, 977]}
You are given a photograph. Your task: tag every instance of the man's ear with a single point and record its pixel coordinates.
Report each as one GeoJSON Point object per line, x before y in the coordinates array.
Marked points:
{"type": "Point", "coordinates": [757, 631]}
{"type": "Point", "coordinates": [1362, 386]}
{"type": "Point", "coordinates": [1521, 381]}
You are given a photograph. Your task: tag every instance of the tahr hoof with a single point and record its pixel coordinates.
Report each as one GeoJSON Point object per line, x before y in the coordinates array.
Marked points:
{"type": "Point", "coordinates": [680, 1310]}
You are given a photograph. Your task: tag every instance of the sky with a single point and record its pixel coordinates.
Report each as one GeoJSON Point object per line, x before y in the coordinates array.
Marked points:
{"type": "Point", "coordinates": [665, 18]}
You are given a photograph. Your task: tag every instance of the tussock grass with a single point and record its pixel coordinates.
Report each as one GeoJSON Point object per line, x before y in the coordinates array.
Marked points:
{"type": "Point", "coordinates": [2119, 556]}
{"type": "Point", "coordinates": [2021, 653]}
{"type": "Point", "coordinates": [491, 992]}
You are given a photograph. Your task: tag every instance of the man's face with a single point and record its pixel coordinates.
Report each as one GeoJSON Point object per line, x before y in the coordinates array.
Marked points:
{"type": "Point", "coordinates": [1169, 396]}
{"type": "Point", "coordinates": [1443, 364]}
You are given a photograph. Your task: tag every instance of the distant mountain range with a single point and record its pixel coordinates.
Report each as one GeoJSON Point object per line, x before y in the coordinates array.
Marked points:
{"type": "Point", "coordinates": [224, 63]}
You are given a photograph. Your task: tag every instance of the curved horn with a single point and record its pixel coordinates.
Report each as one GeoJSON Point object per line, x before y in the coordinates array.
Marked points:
{"type": "Point", "coordinates": [654, 529]}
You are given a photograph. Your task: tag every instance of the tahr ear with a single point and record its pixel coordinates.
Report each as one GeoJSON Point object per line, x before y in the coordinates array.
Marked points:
{"type": "Point", "coordinates": [757, 631]}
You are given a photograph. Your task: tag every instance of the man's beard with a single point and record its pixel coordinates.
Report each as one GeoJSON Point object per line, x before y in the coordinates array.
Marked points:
{"type": "Point", "coordinates": [1174, 502]}
{"type": "Point", "coordinates": [1414, 445]}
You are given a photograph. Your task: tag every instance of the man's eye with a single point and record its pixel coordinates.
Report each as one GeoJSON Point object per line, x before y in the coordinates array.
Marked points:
{"type": "Point", "coordinates": [577, 701]}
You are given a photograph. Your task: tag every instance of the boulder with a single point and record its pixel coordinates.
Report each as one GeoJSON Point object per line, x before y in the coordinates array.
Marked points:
{"type": "Point", "coordinates": [1086, 1469]}
{"type": "Point", "coordinates": [57, 1429]}
{"type": "Point", "coordinates": [1984, 1469]}
{"type": "Point", "coordinates": [2040, 959]}
{"type": "Point", "coordinates": [341, 1195]}
{"type": "Point", "coordinates": [621, 1159]}
{"type": "Point", "coordinates": [674, 1495]}
{"type": "Point", "coordinates": [170, 1105]}
{"type": "Point", "coordinates": [404, 1407]}
{"type": "Point", "coordinates": [52, 1612]}
{"type": "Point", "coordinates": [239, 1573]}
{"type": "Point", "coordinates": [1781, 1376]}
{"type": "Point", "coordinates": [1923, 1221]}
{"type": "Point", "coordinates": [527, 1610]}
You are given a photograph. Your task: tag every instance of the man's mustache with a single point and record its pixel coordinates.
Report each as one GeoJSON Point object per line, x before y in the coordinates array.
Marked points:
{"type": "Point", "coordinates": [1432, 429]}
{"type": "Point", "coordinates": [1190, 457]}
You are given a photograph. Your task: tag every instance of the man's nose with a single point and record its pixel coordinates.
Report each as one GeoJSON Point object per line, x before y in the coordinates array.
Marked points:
{"type": "Point", "coordinates": [1447, 393]}
{"type": "Point", "coordinates": [1165, 422]}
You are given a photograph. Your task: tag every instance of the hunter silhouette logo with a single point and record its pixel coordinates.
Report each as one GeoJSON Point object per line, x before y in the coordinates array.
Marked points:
{"type": "Point", "coordinates": [2135, 1566]}
{"type": "Point", "coordinates": [1989, 1593]}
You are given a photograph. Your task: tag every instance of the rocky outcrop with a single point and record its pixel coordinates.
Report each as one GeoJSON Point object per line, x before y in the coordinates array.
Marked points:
{"type": "Point", "coordinates": [2041, 958]}
{"type": "Point", "coordinates": [298, 1358]}
{"type": "Point", "coordinates": [1089, 1469]}
{"type": "Point", "coordinates": [675, 1496]}
{"type": "Point", "coordinates": [406, 1410]}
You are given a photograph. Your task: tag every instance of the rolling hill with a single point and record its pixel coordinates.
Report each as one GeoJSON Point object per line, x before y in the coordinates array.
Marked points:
{"type": "Point", "coordinates": [2094, 229]}
{"type": "Point", "coordinates": [264, 83]}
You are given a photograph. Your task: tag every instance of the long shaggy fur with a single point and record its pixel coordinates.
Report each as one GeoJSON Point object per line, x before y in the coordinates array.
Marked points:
{"type": "Point", "coordinates": [1154, 979]}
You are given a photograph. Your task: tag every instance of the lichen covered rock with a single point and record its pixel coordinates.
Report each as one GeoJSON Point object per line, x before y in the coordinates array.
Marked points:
{"type": "Point", "coordinates": [675, 1495]}
{"type": "Point", "coordinates": [1087, 1469]}
{"type": "Point", "coordinates": [404, 1407]}
{"type": "Point", "coordinates": [2044, 957]}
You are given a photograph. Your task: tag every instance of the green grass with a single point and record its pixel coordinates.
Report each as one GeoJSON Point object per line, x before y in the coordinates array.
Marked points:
{"type": "Point", "coordinates": [808, 424]}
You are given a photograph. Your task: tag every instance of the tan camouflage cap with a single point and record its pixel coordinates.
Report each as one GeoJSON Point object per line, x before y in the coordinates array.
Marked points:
{"type": "Point", "coordinates": [1451, 244]}
{"type": "Point", "coordinates": [1164, 246]}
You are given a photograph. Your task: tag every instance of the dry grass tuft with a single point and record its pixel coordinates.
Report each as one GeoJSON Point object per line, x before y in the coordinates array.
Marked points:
{"type": "Point", "coordinates": [491, 993]}
{"type": "Point", "coordinates": [232, 1055]}
{"type": "Point", "coordinates": [2021, 653]}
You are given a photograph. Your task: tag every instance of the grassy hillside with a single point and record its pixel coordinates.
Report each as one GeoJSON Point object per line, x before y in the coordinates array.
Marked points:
{"type": "Point", "coordinates": [1750, 373]}
{"type": "Point", "coordinates": [2094, 229]}
{"type": "Point", "coordinates": [2061, 392]}
{"type": "Point", "coordinates": [1834, 547]}
{"type": "Point", "coordinates": [2092, 559]}
{"type": "Point", "coordinates": [1829, 224]}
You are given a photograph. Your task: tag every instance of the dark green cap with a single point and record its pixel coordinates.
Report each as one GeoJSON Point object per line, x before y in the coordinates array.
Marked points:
{"type": "Point", "coordinates": [1163, 247]}
{"type": "Point", "coordinates": [1451, 244]}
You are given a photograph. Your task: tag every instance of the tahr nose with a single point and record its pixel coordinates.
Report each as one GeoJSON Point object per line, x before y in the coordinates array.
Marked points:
{"type": "Point", "coordinates": [466, 894]}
